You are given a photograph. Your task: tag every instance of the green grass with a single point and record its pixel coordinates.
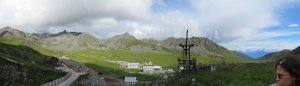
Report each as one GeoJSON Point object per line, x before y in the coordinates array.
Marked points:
{"type": "Point", "coordinates": [16, 42]}
{"type": "Point", "coordinates": [249, 74]}
{"type": "Point", "coordinates": [97, 60]}
{"type": "Point", "coordinates": [28, 65]}
{"type": "Point", "coordinates": [37, 75]}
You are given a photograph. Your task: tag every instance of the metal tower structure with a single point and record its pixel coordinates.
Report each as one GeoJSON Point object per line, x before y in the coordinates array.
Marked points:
{"type": "Point", "coordinates": [186, 64]}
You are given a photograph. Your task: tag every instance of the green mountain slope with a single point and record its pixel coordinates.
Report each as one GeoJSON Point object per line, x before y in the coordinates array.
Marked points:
{"type": "Point", "coordinates": [276, 55]}
{"type": "Point", "coordinates": [22, 65]}
{"type": "Point", "coordinates": [69, 41]}
{"type": "Point", "coordinates": [296, 51]}
{"type": "Point", "coordinates": [280, 54]}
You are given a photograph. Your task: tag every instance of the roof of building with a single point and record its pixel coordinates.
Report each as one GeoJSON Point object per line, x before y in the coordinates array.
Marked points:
{"type": "Point", "coordinates": [130, 79]}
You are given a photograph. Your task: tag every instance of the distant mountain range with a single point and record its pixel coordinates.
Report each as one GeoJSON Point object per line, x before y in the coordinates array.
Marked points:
{"type": "Point", "coordinates": [281, 54]}
{"type": "Point", "coordinates": [241, 54]}
{"type": "Point", "coordinates": [256, 54]}
{"type": "Point", "coordinates": [79, 41]}
{"type": "Point", "coordinates": [276, 55]}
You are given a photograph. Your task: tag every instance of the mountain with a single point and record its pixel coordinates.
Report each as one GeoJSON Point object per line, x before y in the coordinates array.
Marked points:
{"type": "Point", "coordinates": [48, 35]}
{"type": "Point", "coordinates": [255, 54]}
{"type": "Point", "coordinates": [121, 41]}
{"type": "Point", "coordinates": [60, 41]}
{"type": "Point", "coordinates": [69, 41]}
{"type": "Point", "coordinates": [18, 37]}
{"type": "Point", "coordinates": [65, 40]}
{"type": "Point", "coordinates": [8, 32]}
{"type": "Point", "coordinates": [276, 55]}
{"type": "Point", "coordinates": [296, 51]}
{"type": "Point", "coordinates": [281, 54]}
{"type": "Point", "coordinates": [202, 46]}
{"type": "Point", "coordinates": [241, 54]}
{"type": "Point", "coordinates": [129, 42]}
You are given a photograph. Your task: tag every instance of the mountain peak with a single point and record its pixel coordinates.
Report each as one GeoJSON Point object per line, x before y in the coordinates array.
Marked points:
{"type": "Point", "coordinates": [126, 34]}
{"type": "Point", "coordinates": [64, 32]}
{"type": "Point", "coordinates": [8, 28]}
{"type": "Point", "coordinates": [120, 40]}
{"type": "Point", "coordinates": [9, 32]}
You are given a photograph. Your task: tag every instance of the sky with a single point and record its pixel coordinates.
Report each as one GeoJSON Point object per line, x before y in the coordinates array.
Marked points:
{"type": "Point", "coordinates": [243, 25]}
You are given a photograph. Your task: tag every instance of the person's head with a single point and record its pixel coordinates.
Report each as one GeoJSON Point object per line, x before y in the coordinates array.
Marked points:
{"type": "Point", "coordinates": [288, 71]}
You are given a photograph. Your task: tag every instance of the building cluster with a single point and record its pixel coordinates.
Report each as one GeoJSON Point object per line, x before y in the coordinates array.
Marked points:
{"type": "Point", "coordinates": [147, 68]}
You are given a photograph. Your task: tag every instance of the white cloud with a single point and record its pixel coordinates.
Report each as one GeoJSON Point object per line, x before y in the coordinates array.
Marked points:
{"type": "Point", "coordinates": [293, 25]}
{"type": "Point", "coordinates": [61, 12]}
{"type": "Point", "coordinates": [224, 21]}
{"type": "Point", "coordinates": [270, 46]}
{"type": "Point", "coordinates": [227, 20]}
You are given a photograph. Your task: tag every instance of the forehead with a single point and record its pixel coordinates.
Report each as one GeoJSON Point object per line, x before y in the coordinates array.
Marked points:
{"type": "Point", "coordinates": [280, 69]}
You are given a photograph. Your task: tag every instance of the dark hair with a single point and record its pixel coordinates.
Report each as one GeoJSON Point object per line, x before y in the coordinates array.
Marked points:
{"type": "Point", "coordinates": [292, 65]}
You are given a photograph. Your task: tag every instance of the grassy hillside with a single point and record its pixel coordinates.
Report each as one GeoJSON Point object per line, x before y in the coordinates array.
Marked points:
{"type": "Point", "coordinates": [98, 60]}
{"type": "Point", "coordinates": [249, 74]}
{"type": "Point", "coordinates": [22, 65]}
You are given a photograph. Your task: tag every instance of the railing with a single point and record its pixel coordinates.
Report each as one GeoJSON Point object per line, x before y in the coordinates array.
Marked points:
{"type": "Point", "coordinates": [57, 81]}
{"type": "Point", "coordinates": [64, 78]}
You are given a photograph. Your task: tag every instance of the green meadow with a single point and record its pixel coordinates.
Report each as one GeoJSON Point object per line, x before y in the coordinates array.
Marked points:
{"type": "Point", "coordinates": [232, 71]}
{"type": "Point", "coordinates": [246, 74]}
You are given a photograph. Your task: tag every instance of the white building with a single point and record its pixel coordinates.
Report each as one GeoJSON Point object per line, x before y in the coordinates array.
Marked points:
{"type": "Point", "coordinates": [133, 65]}
{"type": "Point", "coordinates": [129, 80]}
{"type": "Point", "coordinates": [152, 69]}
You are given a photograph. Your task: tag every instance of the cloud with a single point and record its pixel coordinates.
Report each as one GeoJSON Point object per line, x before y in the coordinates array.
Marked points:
{"type": "Point", "coordinates": [224, 21]}
{"type": "Point", "coordinates": [61, 12]}
{"type": "Point", "coordinates": [227, 20]}
{"type": "Point", "coordinates": [293, 25]}
{"type": "Point", "coordinates": [269, 46]}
